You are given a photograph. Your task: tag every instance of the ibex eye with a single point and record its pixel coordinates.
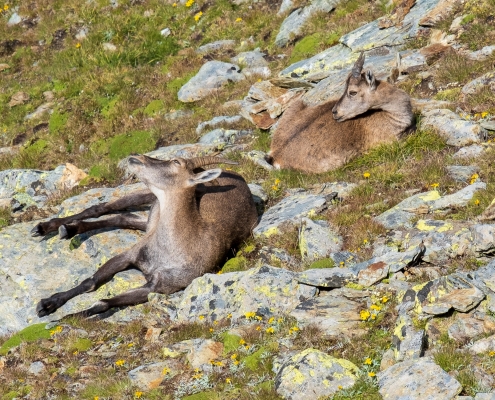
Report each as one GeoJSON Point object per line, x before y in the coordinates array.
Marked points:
{"type": "Point", "coordinates": [176, 161]}
{"type": "Point", "coordinates": [352, 93]}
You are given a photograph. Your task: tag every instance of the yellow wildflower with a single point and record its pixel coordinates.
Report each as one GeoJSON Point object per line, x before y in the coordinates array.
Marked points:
{"type": "Point", "coordinates": [384, 299]}
{"type": "Point", "coordinates": [242, 341]}
{"type": "Point", "coordinates": [174, 5]}
{"type": "Point", "coordinates": [219, 272]}
{"type": "Point", "coordinates": [189, 3]}
{"type": "Point", "coordinates": [197, 376]}
{"type": "Point", "coordinates": [5, 7]}
{"type": "Point", "coordinates": [491, 353]}
{"type": "Point", "coordinates": [249, 314]}
{"type": "Point", "coordinates": [434, 185]}
{"type": "Point", "coordinates": [238, 19]}
{"type": "Point", "coordinates": [274, 187]}
{"type": "Point", "coordinates": [215, 322]}
{"type": "Point", "coordinates": [229, 316]}
{"type": "Point", "coordinates": [258, 328]}
{"type": "Point", "coordinates": [476, 202]}
{"type": "Point", "coordinates": [371, 374]}
{"type": "Point", "coordinates": [130, 345]}
{"type": "Point", "coordinates": [270, 321]}
{"type": "Point", "coordinates": [211, 329]}
{"type": "Point", "coordinates": [280, 320]}
{"type": "Point", "coordinates": [197, 370]}
{"type": "Point", "coordinates": [484, 114]}
{"type": "Point", "coordinates": [366, 175]}
{"type": "Point", "coordinates": [474, 178]}
{"type": "Point", "coordinates": [364, 315]}
{"type": "Point", "coordinates": [247, 347]}
{"type": "Point", "coordinates": [228, 380]}
{"type": "Point", "coordinates": [340, 387]}
{"type": "Point", "coordinates": [373, 316]}
{"type": "Point", "coordinates": [78, 45]}
{"type": "Point", "coordinates": [165, 371]}
{"type": "Point", "coordinates": [75, 353]}
{"type": "Point", "coordinates": [138, 395]}
{"type": "Point", "coordinates": [96, 398]}
{"type": "Point", "coordinates": [367, 361]}
{"type": "Point", "coordinates": [233, 356]}
{"type": "Point", "coordinates": [201, 317]}
{"type": "Point", "coordinates": [295, 328]}
{"type": "Point", "coordinates": [198, 16]}
{"type": "Point", "coordinates": [270, 330]}
{"type": "Point", "coordinates": [258, 318]}
{"type": "Point", "coordinates": [236, 362]}
{"type": "Point", "coordinates": [119, 363]}
{"type": "Point", "coordinates": [277, 181]}
{"type": "Point", "coordinates": [365, 241]}
{"type": "Point", "coordinates": [375, 307]}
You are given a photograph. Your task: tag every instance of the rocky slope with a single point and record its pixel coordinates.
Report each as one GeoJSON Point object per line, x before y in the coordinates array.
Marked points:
{"type": "Point", "coordinates": [373, 281]}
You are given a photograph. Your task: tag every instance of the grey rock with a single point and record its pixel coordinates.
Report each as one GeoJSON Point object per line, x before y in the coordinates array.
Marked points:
{"type": "Point", "coordinates": [370, 36]}
{"type": "Point", "coordinates": [216, 121]}
{"type": "Point", "coordinates": [221, 137]}
{"type": "Point", "coordinates": [343, 189]}
{"type": "Point", "coordinates": [290, 210]}
{"type": "Point", "coordinates": [334, 314]}
{"type": "Point", "coordinates": [165, 32]}
{"type": "Point", "coordinates": [485, 396]}
{"type": "Point", "coordinates": [44, 108]}
{"type": "Point", "coordinates": [482, 54]}
{"type": "Point", "coordinates": [219, 45]}
{"type": "Point", "coordinates": [250, 59]}
{"type": "Point", "coordinates": [259, 195]}
{"type": "Point", "coordinates": [317, 239]}
{"type": "Point", "coordinates": [265, 290]}
{"type": "Point", "coordinates": [412, 61]}
{"type": "Point", "coordinates": [211, 76]}
{"type": "Point", "coordinates": [82, 33]}
{"type": "Point", "coordinates": [183, 150]}
{"type": "Point", "coordinates": [461, 173]}
{"type": "Point", "coordinates": [36, 368]}
{"type": "Point", "coordinates": [178, 114]}
{"type": "Point", "coordinates": [312, 374]}
{"type": "Point", "coordinates": [28, 265]}
{"type": "Point", "coordinates": [287, 5]}
{"type": "Point", "coordinates": [484, 239]}
{"type": "Point", "coordinates": [263, 72]}
{"type": "Point", "coordinates": [199, 352]}
{"type": "Point", "coordinates": [483, 346]}
{"type": "Point", "coordinates": [458, 199]}
{"type": "Point", "coordinates": [486, 80]}
{"type": "Point", "coordinates": [327, 277]}
{"type": "Point", "coordinates": [466, 327]}
{"type": "Point", "coordinates": [454, 129]}
{"type": "Point", "coordinates": [14, 19]}
{"type": "Point", "coordinates": [488, 125]}
{"type": "Point", "coordinates": [417, 380]}
{"type": "Point", "coordinates": [473, 151]}
{"type": "Point", "coordinates": [110, 47]}
{"type": "Point", "coordinates": [258, 157]}
{"type": "Point", "coordinates": [292, 26]}
{"type": "Point", "coordinates": [408, 342]}
{"type": "Point", "coordinates": [150, 376]}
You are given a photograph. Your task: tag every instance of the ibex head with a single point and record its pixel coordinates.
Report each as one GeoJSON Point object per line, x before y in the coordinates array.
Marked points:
{"type": "Point", "coordinates": [177, 173]}
{"type": "Point", "coordinates": [360, 93]}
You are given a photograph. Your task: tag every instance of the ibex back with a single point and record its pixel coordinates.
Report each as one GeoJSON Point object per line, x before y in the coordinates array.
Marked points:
{"type": "Point", "coordinates": [324, 137]}
{"type": "Point", "coordinates": [192, 225]}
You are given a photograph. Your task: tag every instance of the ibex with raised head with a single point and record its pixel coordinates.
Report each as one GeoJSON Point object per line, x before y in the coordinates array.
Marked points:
{"type": "Point", "coordinates": [324, 137]}
{"type": "Point", "coordinates": [192, 225]}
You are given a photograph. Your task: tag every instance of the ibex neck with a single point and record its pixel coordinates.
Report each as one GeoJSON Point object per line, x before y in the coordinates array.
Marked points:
{"type": "Point", "coordinates": [397, 104]}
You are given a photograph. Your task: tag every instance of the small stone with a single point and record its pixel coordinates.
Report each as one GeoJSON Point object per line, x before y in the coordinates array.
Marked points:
{"type": "Point", "coordinates": [109, 47]}
{"type": "Point", "coordinates": [473, 151]}
{"type": "Point", "coordinates": [412, 62]}
{"type": "Point", "coordinates": [465, 328]}
{"type": "Point", "coordinates": [82, 34]}
{"type": "Point", "coordinates": [373, 273]}
{"type": "Point", "coordinates": [221, 137]}
{"type": "Point", "coordinates": [36, 368]}
{"type": "Point", "coordinates": [216, 46]}
{"type": "Point", "coordinates": [482, 54]}
{"type": "Point", "coordinates": [483, 345]}
{"type": "Point", "coordinates": [203, 351]}
{"type": "Point", "coordinates": [3, 67]}
{"type": "Point", "coordinates": [71, 177]}
{"type": "Point", "coordinates": [388, 359]}
{"type": "Point", "coordinates": [152, 334]}
{"type": "Point", "coordinates": [216, 121]}
{"type": "Point", "coordinates": [485, 396]}
{"type": "Point", "coordinates": [165, 32]}
{"type": "Point", "coordinates": [18, 98]}
{"type": "Point", "coordinates": [259, 158]}
{"type": "Point", "coordinates": [488, 125]}
{"type": "Point", "coordinates": [150, 376]}
{"type": "Point", "coordinates": [486, 80]}
{"type": "Point", "coordinates": [44, 108]}
{"type": "Point", "coordinates": [250, 59]}
{"type": "Point", "coordinates": [14, 19]}
{"type": "Point", "coordinates": [417, 380]}
{"type": "Point", "coordinates": [259, 195]}
{"type": "Point", "coordinates": [312, 374]}
{"type": "Point", "coordinates": [461, 173]}
{"type": "Point", "coordinates": [317, 239]}
{"type": "Point", "coordinates": [49, 95]}
{"type": "Point", "coordinates": [183, 151]}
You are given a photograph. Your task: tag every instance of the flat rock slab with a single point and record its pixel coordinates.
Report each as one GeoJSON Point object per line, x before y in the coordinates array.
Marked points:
{"type": "Point", "coordinates": [219, 45]}
{"type": "Point", "coordinates": [215, 121]}
{"type": "Point", "coordinates": [486, 80]}
{"type": "Point", "coordinates": [150, 376]}
{"type": "Point", "coordinates": [370, 36]}
{"type": "Point", "coordinates": [473, 151]}
{"type": "Point", "coordinates": [211, 77]}
{"type": "Point", "coordinates": [317, 239]}
{"type": "Point", "coordinates": [29, 265]}
{"type": "Point", "coordinates": [483, 346]}
{"type": "Point", "coordinates": [292, 26]}
{"type": "Point", "coordinates": [265, 290]}
{"type": "Point", "coordinates": [417, 380]}
{"type": "Point", "coordinates": [221, 137]}
{"type": "Point", "coordinates": [455, 130]}
{"type": "Point", "coordinates": [183, 151]}
{"type": "Point", "coordinates": [461, 173]}
{"type": "Point", "coordinates": [312, 374]}
{"type": "Point", "coordinates": [290, 210]}
{"type": "Point", "coordinates": [334, 314]}
{"type": "Point", "coordinates": [327, 277]}
{"type": "Point", "coordinates": [250, 59]}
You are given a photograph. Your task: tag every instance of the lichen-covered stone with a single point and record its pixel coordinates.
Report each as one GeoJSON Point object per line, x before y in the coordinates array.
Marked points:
{"type": "Point", "coordinates": [312, 374]}
{"type": "Point", "coordinates": [317, 239]}
{"type": "Point", "coordinates": [327, 277]}
{"type": "Point", "coordinates": [210, 77]}
{"type": "Point", "coordinates": [484, 239]}
{"type": "Point", "coordinates": [250, 59]}
{"type": "Point", "coordinates": [486, 80]}
{"type": "Point", "coordinates": [461, 173]}
{"type": "Point", "coordinates": [455, 130]}
{"type": "Point", "coordinates": [265, 290]}
{"type": "Point", "coordinates": [290, 210]}
{"type": "Point", "coordinates": [150, 376]}
{"type": "Point", "coordinates": [408, 342]}
{"type": "Point", "coordinates": [334, 313]}
{"type": "Point", "coordinates": [370, 36]}
{"type": "Point", "coordinates": [417, 380]}
{"type": "Point", "coordinates": [220, 137]}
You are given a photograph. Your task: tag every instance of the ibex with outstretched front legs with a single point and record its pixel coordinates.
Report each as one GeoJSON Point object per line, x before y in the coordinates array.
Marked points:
{"type": "Point", "coordinates": [192, 225]}
{"type": "Point", "coordinates": [323, 137]}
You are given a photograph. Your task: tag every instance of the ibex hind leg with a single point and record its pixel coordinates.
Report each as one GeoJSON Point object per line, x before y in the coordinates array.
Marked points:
{"type": "Point", "coordinates": [135, 199]}
{"type": "Point", "coordinates": [130, 298]}
{"type": "Point", "coordinates": [123, 221]}
{"type": "Point", "coordinates": [104, 274]}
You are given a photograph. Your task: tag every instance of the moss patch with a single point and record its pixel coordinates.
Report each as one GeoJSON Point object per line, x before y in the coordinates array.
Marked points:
{"type": "Point", "coordinates": [81, 344]}
{"type": "Point", "coordinates": [153, 108]}
{"type": "Point", "coordinates": [230, 342]}
{"type": "Point", "coordinates": [323, 263]}
{"type": "Point", "coordinates": [235, 264]}
{"type": "Point", "coordinates": [202, 396]}
{"type": "Point", "coordinates": [253, 361]}
{"type": "Point", "coordinates": [29, 334]}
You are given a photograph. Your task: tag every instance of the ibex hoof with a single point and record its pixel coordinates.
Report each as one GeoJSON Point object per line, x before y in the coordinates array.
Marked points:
{"type": "Point", "coordinates": [46, 307]}
{"type": "Point", "coordinates": [37, 231]}
{"type": "Point", "coordinates": [62, 232]}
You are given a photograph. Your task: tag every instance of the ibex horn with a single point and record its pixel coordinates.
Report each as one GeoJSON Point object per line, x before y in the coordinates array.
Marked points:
{"type": "Point", "coordinates": [358, 66]}
{"type": "Point", "coordinates": [202, 161]}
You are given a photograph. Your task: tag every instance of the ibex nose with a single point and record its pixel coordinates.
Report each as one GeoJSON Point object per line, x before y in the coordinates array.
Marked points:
{"type": "Point", "coordinates": [334, 113]}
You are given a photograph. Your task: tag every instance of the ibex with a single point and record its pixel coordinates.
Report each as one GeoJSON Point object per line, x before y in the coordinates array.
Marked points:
{"type": "Point", "coordinates": [323, 137]}
{"type": "Point", "coordinates": [192, 225]}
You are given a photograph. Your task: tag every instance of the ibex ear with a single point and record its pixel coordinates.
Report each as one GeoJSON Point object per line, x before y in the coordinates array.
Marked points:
{"type": "Point", "coordinates": [370, 79]}
{"type": "Point", "coordinates": [204, 176]}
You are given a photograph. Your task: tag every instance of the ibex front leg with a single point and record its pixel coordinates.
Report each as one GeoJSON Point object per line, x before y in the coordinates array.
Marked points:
{"type": "Point", "coordinates": [104, 274]}
{"type": "Point", "coordinates": [135, 199]}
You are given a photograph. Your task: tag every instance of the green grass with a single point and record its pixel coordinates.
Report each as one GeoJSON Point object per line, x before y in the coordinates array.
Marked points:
{"type": "Point", "coordinates": [29, 334]}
